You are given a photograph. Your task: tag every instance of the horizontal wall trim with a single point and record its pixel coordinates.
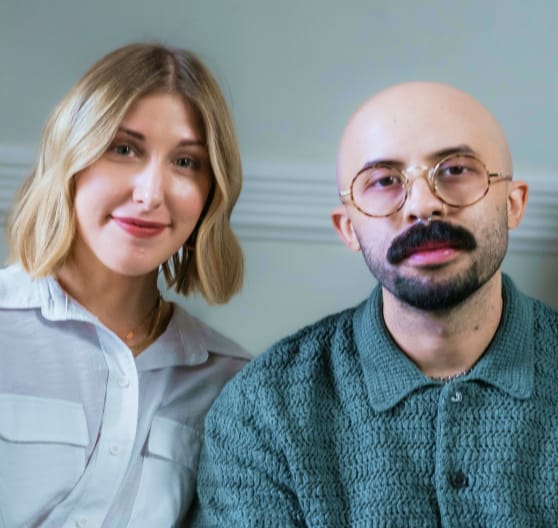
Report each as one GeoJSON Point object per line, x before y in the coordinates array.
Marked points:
{"type": "Point", "coordinates": [293, 201]}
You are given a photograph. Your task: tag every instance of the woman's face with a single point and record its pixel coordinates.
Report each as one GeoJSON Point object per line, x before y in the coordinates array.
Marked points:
{"type": "Point", "coordinates": [138, 204]}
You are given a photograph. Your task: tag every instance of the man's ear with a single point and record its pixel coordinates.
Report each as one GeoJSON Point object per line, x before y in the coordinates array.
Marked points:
{"type": "Point", "coordinates": [518, 191]}
{"type": "Point", "coordinates": [344, 227]}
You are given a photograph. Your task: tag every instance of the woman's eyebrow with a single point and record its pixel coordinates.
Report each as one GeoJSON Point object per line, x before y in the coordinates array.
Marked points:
{"type": "Point", "coordinates": [182, 143]}
{"type": "Point", "coordinates": [190, 142]}
{"type": "Point", "coordinates": [132, 133]}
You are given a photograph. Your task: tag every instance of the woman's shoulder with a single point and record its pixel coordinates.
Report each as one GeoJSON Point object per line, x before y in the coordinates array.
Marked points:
{"type": "Point", "coordinates": [196, 332]}
{"type": "Point", "coordinates": [18, 289]}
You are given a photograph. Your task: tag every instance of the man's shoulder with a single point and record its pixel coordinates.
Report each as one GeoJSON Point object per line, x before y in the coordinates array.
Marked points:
{"type": "Point", "coordinates": [302, 352]}
{"type": "Point", "coordinates": [281, 379]}
{"type": "Point", "coordinates": [546, 318]}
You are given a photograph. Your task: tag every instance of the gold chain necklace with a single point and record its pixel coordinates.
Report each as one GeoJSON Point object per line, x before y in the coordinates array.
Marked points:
{"type": "Point", "coordinates": [152, 317]}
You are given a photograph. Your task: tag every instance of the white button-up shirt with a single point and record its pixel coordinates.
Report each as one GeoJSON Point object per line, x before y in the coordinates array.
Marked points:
{"type": "Point", "coordinates": [89, 435]}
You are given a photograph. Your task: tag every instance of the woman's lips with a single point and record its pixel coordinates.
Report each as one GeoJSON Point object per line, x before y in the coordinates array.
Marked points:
{"type": "Point", "coordinates": [139, 228]}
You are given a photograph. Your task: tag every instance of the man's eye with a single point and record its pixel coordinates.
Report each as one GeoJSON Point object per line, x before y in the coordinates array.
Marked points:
{"type": "Point", "coordinates": [386, 181]}
{"type": "Point", "coordinates": [381, 180]}
{"type": "Point", "coordinates": [455, 170]}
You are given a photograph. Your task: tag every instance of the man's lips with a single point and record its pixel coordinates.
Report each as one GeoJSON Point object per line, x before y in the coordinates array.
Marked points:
{"type": "Point", "coordinates": [138, 227]}
{"type": "Point", "coordinates": [432, 254]}
{"type": "Point", "coordinates": [430, 244]}
{"type": "Point", "coordinates": [433, 246]}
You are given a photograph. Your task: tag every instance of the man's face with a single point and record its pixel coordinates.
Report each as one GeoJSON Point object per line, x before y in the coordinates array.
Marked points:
{"type": "Point", "coordinates": [429, 265]}
{"type": "Point", "coordinates": [445, 261]}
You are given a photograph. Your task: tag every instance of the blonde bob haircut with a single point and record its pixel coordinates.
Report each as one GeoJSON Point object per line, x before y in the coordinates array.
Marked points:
{"type": "Point", "coordinates": [42, 226]}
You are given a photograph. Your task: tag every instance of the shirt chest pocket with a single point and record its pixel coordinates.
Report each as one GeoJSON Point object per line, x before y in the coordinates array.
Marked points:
{"type": "Point", "coordinates": [167, 482]}
{"type": "Point", "coordinates": [42, 455]}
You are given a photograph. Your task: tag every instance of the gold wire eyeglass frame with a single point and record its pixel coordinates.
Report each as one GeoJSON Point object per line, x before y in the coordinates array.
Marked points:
{"type": "Point", "coordinates": [491, 177]}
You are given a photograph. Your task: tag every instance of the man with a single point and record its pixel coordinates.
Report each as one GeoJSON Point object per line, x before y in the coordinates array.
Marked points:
{"type": "Point", "coordinates": [433, 403]}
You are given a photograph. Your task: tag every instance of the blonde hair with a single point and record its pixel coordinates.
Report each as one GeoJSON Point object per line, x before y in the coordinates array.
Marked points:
{"type": "Point", "coordinates": [42, 226]}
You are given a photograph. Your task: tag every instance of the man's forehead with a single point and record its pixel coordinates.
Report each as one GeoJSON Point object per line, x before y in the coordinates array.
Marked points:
{"type": "Point", "coordinates": [414, 120]}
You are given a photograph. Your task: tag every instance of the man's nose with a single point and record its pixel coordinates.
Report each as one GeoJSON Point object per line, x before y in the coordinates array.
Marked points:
{"type": "Point", "coordinates": [422, 202]}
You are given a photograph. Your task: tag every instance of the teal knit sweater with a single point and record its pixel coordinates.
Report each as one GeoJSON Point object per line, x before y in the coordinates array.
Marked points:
{"type": "Point", "coordinates": [335, 426]}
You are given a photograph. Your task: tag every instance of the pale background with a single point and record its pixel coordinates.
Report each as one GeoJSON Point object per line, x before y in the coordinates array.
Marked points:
{"type": "Point", "coordinates": [293, 71]}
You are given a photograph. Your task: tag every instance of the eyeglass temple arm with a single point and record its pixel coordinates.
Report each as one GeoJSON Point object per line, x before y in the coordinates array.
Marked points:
{"type": "Point", "coordinates": [499, 175]}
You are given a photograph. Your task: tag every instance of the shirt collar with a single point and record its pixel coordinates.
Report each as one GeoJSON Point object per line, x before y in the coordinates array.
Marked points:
{"type": "Point", "coordinates": [18, 290]}
{"type": "Point", "coordinates": [186, 341]}
{"type": "Point", "coordinates": [57, 305]}
{"type": "Point", "coordinates": [390, 375]}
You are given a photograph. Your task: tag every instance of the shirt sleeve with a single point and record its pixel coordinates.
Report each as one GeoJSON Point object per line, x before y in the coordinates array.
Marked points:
{"type": "Point", "coordinates": [243, 475]}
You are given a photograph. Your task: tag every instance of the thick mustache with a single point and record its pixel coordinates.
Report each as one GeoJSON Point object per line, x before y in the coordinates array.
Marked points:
{"type": "Point", "coordinates": [420, 235]}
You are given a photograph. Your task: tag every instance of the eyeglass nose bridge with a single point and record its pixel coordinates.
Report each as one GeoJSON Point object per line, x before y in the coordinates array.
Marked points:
{"type": "Point", "coordinates": [407, 183]}
{"type": "Point", "coordinates": [418, 170]}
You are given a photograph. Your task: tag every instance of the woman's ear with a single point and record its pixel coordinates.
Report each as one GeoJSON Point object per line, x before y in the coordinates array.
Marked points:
{"type": "Point", "coordinates": [518, 191]}
{"type": "Point", "coordinates": [344, 227]}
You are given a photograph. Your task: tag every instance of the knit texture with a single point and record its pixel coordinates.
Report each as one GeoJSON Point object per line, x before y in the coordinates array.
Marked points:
{"type": "Point", "coordinates": [335, 427]}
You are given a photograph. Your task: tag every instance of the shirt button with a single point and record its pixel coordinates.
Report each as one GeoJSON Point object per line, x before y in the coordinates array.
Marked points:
{"type": "Point", "coordinates": [81, 523]}
{"type": "Point", "coordinates": [124, 382]}
{"type": "Point", "coordinates": [114, 450]}
{"type": "Point", "coordinates": [459, 480]}
{"type": "Point", "coordinates": [457, 397]}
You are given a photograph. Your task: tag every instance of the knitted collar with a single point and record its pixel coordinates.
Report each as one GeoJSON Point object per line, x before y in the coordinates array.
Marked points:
{"type": "Point", "coordinates": [390, 375]}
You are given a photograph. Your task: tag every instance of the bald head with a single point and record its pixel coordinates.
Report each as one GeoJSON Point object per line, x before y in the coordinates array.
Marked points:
{"type": "Point", "coordinates": [410, 122]}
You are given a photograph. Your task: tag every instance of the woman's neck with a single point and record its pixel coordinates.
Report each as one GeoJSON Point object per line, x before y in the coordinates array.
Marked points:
{"type": "Point", "coordinates": [129, 306]}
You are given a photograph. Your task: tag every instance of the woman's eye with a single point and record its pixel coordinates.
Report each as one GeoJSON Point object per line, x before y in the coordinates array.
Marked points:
{"type": "Point", "coordinates": [122, 149]}
{"type": "Point", "coordinates": [187, 163]}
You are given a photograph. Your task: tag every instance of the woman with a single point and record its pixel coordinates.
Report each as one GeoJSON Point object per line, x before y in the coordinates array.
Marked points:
{"type": "Point", "coordinates": [104, 384]}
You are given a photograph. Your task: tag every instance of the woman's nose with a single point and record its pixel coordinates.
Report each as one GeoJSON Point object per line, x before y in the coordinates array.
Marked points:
{"type": "Point", "coordinates": [148, 186]}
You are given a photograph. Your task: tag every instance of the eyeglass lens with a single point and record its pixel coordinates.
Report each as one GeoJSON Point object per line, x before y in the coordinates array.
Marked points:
{"type": "Point", "coordinates": [458, 180]}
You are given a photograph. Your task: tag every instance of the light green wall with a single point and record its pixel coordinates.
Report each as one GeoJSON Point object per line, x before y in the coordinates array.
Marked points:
{"type": "Point", "coordinates": [293, 71]}
{"type": "Point", "coordinates": [291, 284]}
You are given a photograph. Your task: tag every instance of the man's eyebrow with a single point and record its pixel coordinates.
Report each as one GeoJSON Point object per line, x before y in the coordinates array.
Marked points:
{"type": "Point", "coordinates": [382, 161]}
{"type": "Point", "coordinates": [458, 149]}
{"type": "Point", "coordinates": [434, 156]}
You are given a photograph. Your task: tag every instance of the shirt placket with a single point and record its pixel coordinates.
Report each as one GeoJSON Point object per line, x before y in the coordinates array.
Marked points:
{"type": "Point", "coordinates": [452, 474]}
{"type": "Point", "coordinates": [113, 452]}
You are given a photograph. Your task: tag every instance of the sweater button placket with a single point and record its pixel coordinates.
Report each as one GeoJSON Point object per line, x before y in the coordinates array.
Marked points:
{"type": "Point", "coordinates": [456, 397]}
{"type": "Point", "coordinates": [459, 480]}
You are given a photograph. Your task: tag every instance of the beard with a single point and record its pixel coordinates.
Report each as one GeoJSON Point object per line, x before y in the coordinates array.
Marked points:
{"type": "Point", "coordinates": [434, 289]}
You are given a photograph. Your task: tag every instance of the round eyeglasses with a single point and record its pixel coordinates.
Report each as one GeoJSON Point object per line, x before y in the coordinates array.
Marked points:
{"type": "Point", "coordinates": [458, 180]}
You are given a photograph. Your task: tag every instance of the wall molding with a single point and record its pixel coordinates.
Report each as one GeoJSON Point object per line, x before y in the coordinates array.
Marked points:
{"type": "Point", "coordinates": [15, 164]}
{"type": "Point", "coordinates": [292, 201]}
